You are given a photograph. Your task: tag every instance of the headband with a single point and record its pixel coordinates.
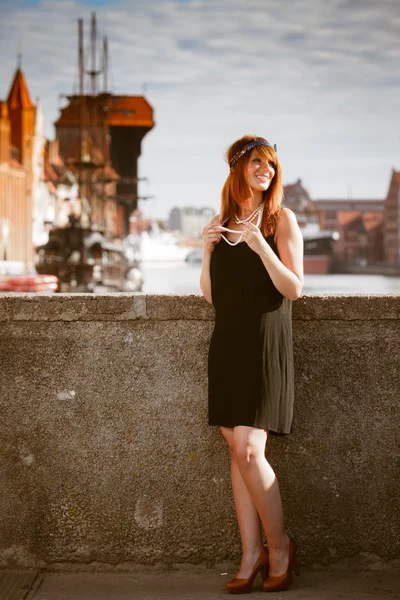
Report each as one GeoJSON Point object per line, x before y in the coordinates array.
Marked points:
{"type": "Point", "coordinates": [250, 147]}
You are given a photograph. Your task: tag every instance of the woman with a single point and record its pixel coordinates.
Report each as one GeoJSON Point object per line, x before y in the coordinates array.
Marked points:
{"type": "Point", "coordinates": [252, 271]}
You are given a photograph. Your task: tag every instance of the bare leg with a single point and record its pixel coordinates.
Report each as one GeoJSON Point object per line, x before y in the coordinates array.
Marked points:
{"type": "Point", "coordinates": [262, 485]}
{"type": "Point", "coordinates": [248, 519]}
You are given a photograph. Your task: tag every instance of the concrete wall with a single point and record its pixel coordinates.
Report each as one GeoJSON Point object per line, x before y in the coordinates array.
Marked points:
{"type": "Point", "coordinates": [107, 458]}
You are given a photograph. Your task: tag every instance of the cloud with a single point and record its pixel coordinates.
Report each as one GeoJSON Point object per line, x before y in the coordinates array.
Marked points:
{"type": "Point", "coordinates": [321, 79]}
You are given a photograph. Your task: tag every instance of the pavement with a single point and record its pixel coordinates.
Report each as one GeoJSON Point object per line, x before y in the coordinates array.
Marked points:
{"type": "Point", "coordinates": [189, 584]}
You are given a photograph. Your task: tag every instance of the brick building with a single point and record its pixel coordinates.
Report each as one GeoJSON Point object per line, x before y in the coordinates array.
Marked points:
{"type": "Point", "coordinates": [391, 233]}
{"type": "Point", "coordinates": [297, 198]}
{"type": "Point", "coordinates": [100, 140]}
{"type": "Point", "coordinates": [17, 129]}
{"type": "Point", "coordinates": [37, 191]}
{"type": "Point", "coordinates": [361, 237]}
{"type": "Point", "coordinates": [359, 223]}
{"type": "Point", "coordinates": [330, 208]}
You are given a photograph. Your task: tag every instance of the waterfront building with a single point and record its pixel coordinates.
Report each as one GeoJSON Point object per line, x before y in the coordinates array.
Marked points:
{"type": "Point", "coordinates": [330, 208]}
{"type": "Point", "coordinates": [190, 221]}
{"type": "Point", "coordinates": [54, 187]}
{"type": "Point", "coordinates": [17, 132]}
{"type": "Point", "coordinates": [360, 238]}
{"type": "Point", "coordinates": [174, 219]}
{"type": "Point", "coordinates": [318, 245]}
{"type": "Point", "coordinates": [100, 136]}
{"type": "Point", "coordinates": [36, 189]}
{"type": "Point", "coordinates": [359, 222]}
{"type": "Point", "coordinates": [297, 198]}
{"type": "Point", "coordinates": [392, 220]}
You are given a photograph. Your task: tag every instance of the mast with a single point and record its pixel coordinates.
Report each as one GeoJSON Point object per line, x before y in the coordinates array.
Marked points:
{"type": "Point", "coordinates": [81, 72]}
{"type": "Point", "coordinates": [105, 64]}
{"type": "Point", "coordinates": [105, 105]}
{"type": "Point", "coordinates": [82, 132]}
{"type": "Point", "coordinates": [93, 35]}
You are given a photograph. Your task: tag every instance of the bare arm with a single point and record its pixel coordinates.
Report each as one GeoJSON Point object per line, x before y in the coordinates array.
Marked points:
{"type": "Point", "coordinates": [210, 239]}
{"type": "Point", "coordinates": [205, 279]}
{"type": "Point", "coordinates": [286, 272]}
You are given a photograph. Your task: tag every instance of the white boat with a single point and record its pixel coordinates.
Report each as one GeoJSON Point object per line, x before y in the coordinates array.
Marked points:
{"type": "Point", "coordinates": [155, 246]}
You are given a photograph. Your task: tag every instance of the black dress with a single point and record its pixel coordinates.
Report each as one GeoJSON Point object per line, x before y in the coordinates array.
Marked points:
{"type": "Point", "coordinates": [250, 361]}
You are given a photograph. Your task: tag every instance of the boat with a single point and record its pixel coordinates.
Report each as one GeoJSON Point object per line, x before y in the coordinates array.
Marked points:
{"type": "Point", "coordinates": [84, 260]}
{"type": "Point", "coordinates": [318, 249]}
{"type": "Point", "coordinates": [155, 245]}
{"type": "Point", "coordinates": [318, 243]}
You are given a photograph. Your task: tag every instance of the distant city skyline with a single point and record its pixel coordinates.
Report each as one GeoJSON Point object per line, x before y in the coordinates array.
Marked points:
{"type": "Point", "coordinates": [319, 79]}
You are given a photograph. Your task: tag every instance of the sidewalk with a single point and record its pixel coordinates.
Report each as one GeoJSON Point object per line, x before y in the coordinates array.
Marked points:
{"type": "Point", "coordinates": [188, 585]}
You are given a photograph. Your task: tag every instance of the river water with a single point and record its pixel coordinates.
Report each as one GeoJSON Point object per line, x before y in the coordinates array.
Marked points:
{"type": "Point", "coordinates": [183, 278]}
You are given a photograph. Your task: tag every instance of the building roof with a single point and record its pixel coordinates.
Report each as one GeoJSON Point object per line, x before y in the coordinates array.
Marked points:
{"type": "Point", "coordinates": [344, 201]}
{"type": "Point", "coordinates": [19, 96]}
{"type": "Point", "coordinates": [356, 219]}
{"type": "Point", "coordinates": [294, 187]}
{"type": "Point", "coordinates": [372, 220]}
{"type": "Point", "coordinates": [347, 216]}
{"type": "Point", "coordinates": [133, 111]}
{"type": "Point", "coordinates": [298, 199]}
{"type": "Point", "coordinates": [351, 204]}
{"type": "Point", "coordinates": [130, 110]}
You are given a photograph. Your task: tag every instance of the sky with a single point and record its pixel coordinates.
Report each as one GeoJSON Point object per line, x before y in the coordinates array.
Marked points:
{"type": "Point", "coordinates": [319, 78]}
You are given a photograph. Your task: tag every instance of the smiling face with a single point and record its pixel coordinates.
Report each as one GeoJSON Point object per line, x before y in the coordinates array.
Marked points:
{"type": "Point", "coordinates": [255, 177]}
{"type": "Point", "coordinates": [260, 171]}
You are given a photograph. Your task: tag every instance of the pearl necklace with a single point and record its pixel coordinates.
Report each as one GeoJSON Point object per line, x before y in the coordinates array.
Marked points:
{"type": "Point", "coordinates": [249, 219]}
{"type": "Point", "coordinates": [260, 212]}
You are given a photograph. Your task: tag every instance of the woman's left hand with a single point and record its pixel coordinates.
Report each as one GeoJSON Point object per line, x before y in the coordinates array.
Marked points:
{"type": "Point", "coordinates": [254, 238]}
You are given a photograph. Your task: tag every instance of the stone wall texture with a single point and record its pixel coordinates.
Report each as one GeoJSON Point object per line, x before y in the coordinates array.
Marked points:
{"type": "Point", "coordinates": [107, 459]}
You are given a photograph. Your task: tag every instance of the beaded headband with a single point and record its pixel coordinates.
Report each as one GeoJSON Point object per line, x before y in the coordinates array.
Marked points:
{"type": "Point", "coordinates": [250, 147]}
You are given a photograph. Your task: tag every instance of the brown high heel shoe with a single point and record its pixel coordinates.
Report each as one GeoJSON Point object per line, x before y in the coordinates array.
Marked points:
{"type": "Point", "coordinates": [283, 582]}
{"type": "Point", "coordinates": [244, 586]}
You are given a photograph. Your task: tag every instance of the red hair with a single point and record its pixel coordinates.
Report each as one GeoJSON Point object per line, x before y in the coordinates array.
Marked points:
{"type": "Point", "coordinates": [237, 191]}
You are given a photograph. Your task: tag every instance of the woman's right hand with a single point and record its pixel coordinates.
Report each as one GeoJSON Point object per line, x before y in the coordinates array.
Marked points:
{"type": "Point", "coordinates": [211, 237]}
